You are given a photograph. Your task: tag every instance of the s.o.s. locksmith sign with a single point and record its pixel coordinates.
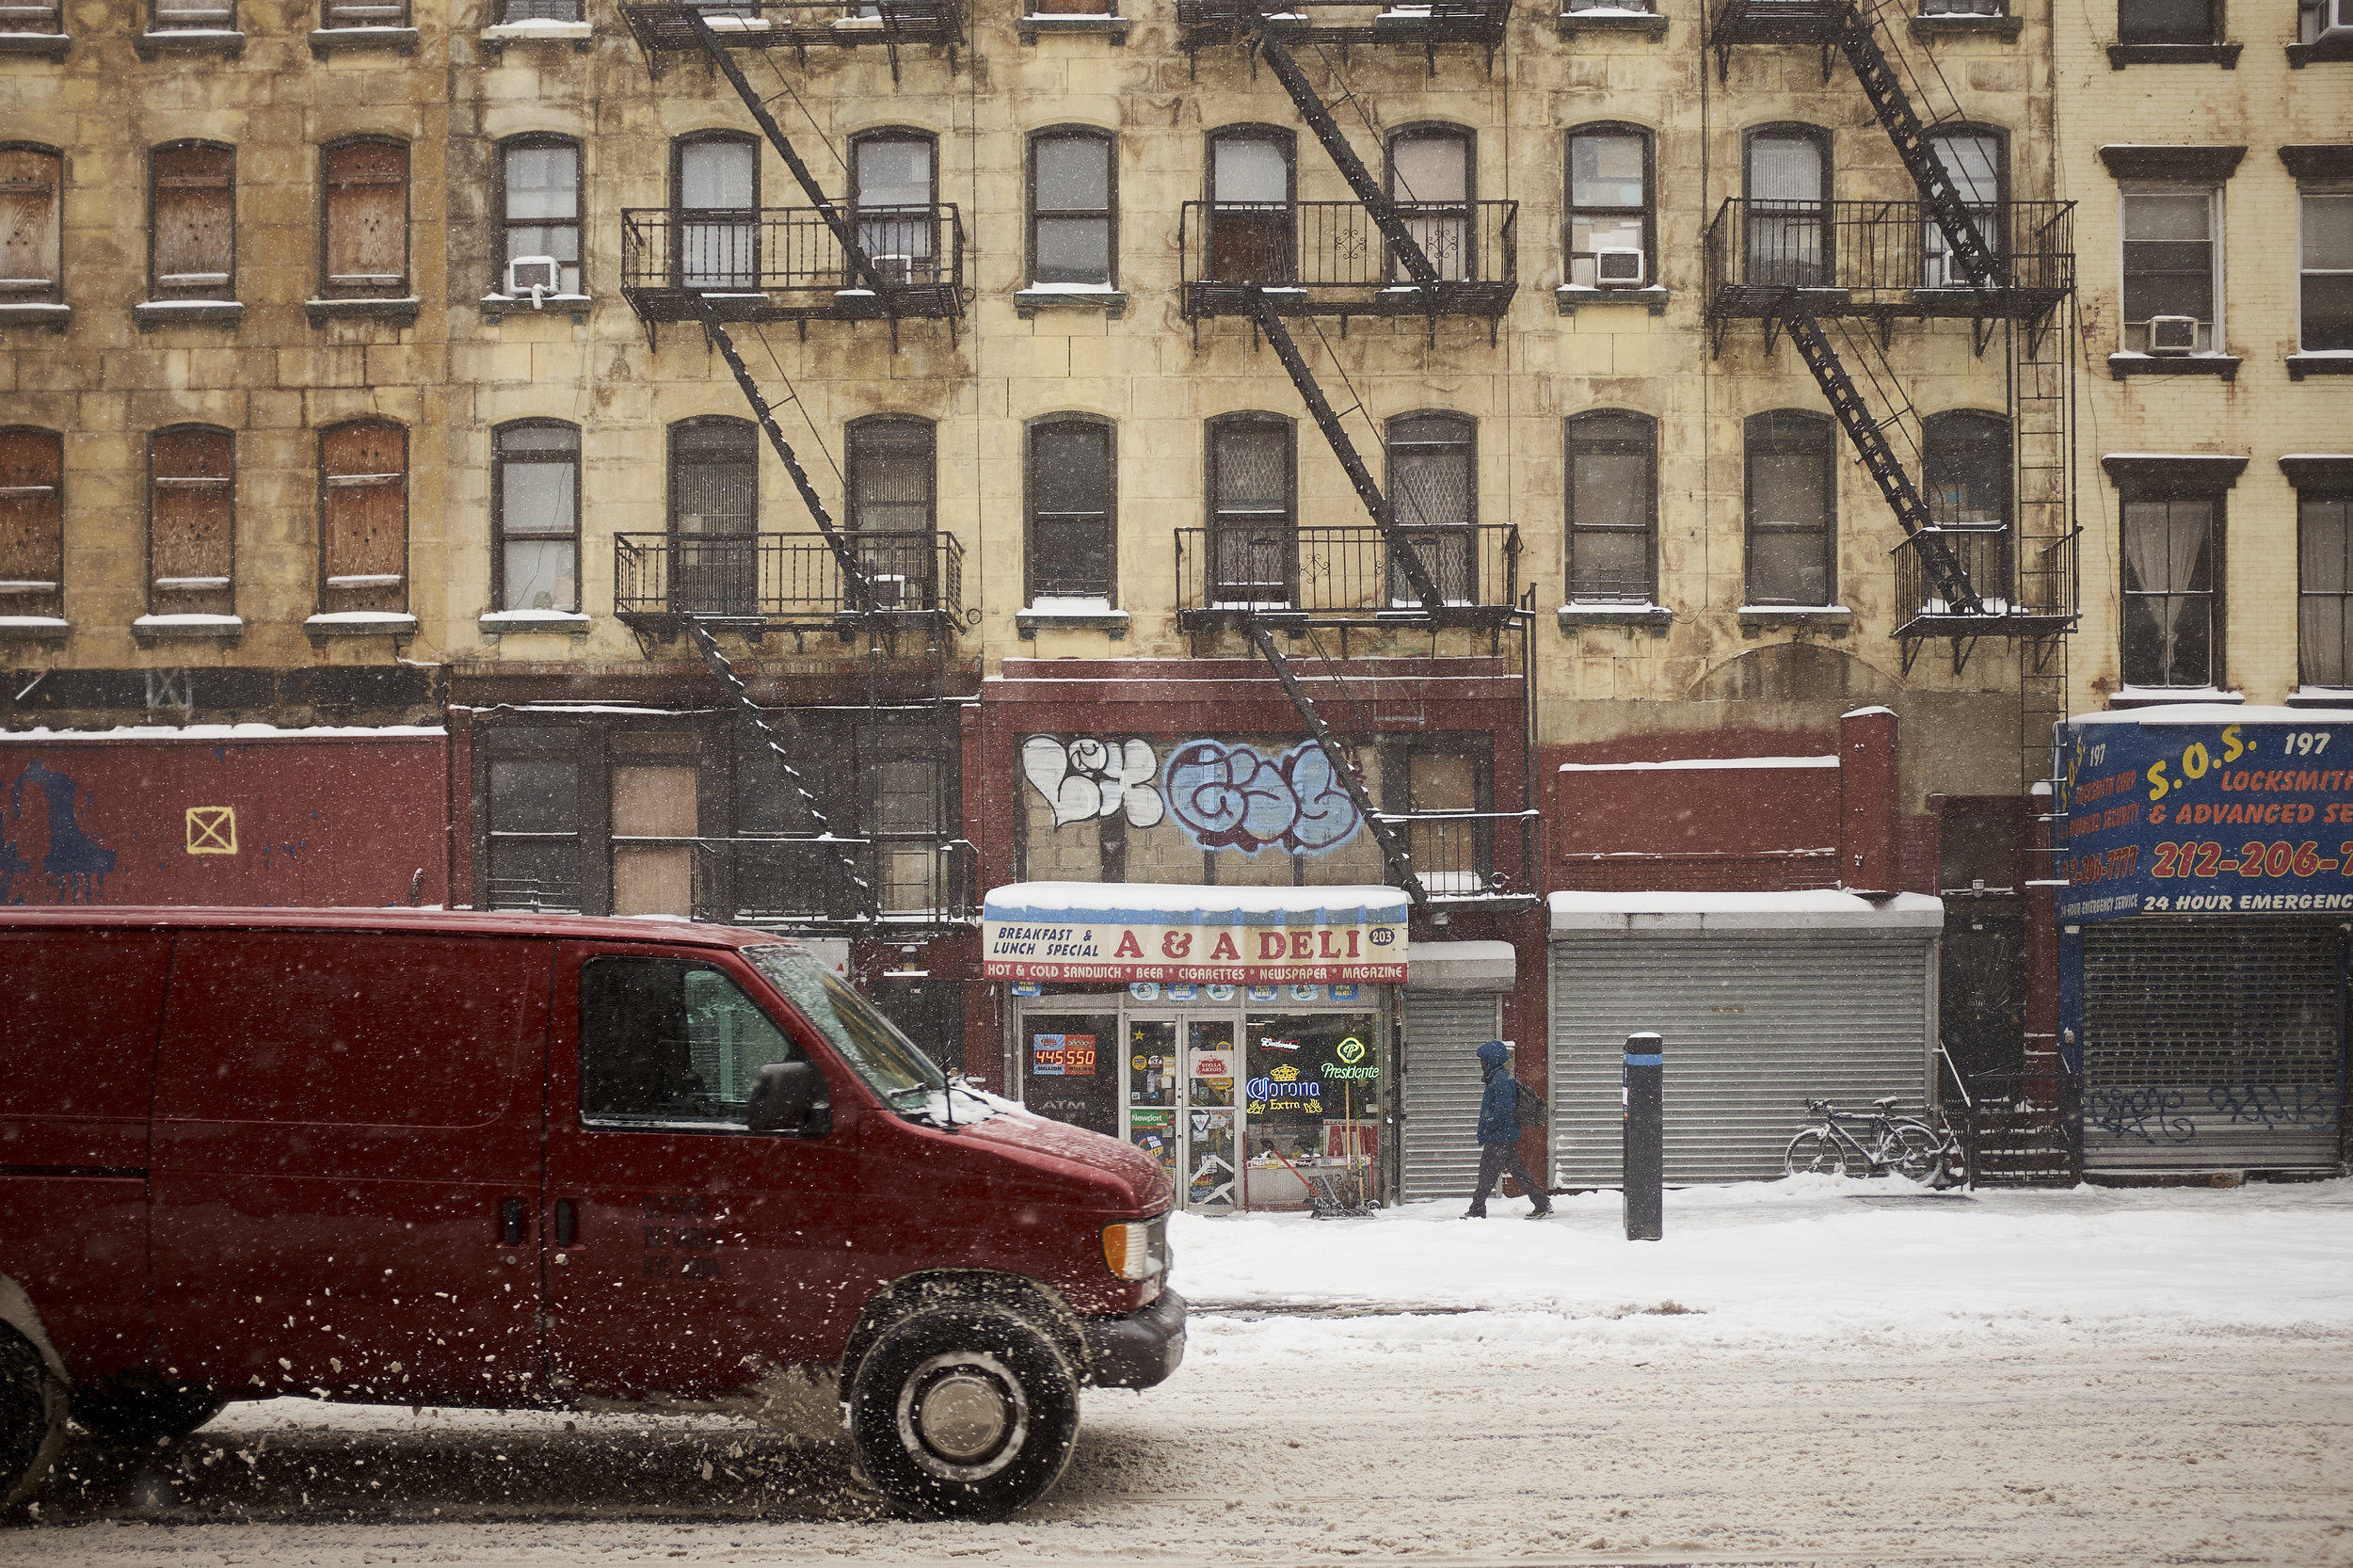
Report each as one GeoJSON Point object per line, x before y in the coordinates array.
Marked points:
{"type": "Point", "coordinates": [1215, 949]}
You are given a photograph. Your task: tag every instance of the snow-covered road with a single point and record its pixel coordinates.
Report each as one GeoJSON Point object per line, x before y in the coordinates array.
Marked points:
{"type": "Point", "coordinates": [1833, 1372]}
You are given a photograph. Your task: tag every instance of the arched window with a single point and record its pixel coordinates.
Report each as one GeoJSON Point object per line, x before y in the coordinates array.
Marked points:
{"type": "Point", "coordinates": [1073, 206]}
{"type": "Point", "coordinates": [1069, 472]}
{"type": "Point", "coordinates": [1976, 159]}
{"type": "Point", "coordinates": [534, 512]}
{"type": "Point", "coordinates": [715, 205]}
{"type": "Point", "coordinates": [1433, 499]}
{"type": "Point", "coordinates": [1432, 177]}
{"type": "Point", "coordinates": [1254, 510]}
{"type": "Point", "coordinates": [538, 201]}
{"type": "Point", "coordinates": [1792, 508]}
{"type": "Point", "coordinates": [894, 188]}
{"type": "Point", "coordinates": [32, 186]}
{"type": "Point", "coordinates": [1965, 469]}
{"type": "Point", "coordinates": [192, 231]}
{"type": "Point", "coordinates": [191, 520]}
{"type": "Point", "coordinates": [890, 505]}
{"type": "Point", "coordinates": [32, 522]}
{"type": "Point", "coordinates": [1614, 508]}
{"type": "Point", "coordinates": [1788, 184]}
{"type": "Point", "coordinates": [1611, 207]}
{"type": "Point", "coordinates": [364, 237]}
{"type": "Point", "coordinates": [1251, 202]}
{"type": "Point", "coordinates": [363, 505]}
{"type": "Point", "coordinates": [714, 515]}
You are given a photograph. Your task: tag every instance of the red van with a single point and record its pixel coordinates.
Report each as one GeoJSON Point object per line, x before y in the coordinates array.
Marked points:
{"type": "Point", "coordinates": [513, 1160]}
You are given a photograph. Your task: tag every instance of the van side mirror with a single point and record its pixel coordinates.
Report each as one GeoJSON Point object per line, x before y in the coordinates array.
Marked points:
{"type": "Point", "coordinates": [790, 1097]}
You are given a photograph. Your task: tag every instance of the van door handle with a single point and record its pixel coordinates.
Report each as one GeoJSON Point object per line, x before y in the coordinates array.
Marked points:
{"type": "Point", "coordinates": [511, 1217]}
{"type": "Point", "coordinates": [567, 1224]}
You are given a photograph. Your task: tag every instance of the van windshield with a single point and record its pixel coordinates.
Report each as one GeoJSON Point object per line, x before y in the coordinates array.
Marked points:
{"type": "Point", "coordinates": [892, 1064]}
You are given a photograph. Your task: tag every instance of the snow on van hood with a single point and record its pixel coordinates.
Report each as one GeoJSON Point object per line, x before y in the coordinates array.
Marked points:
{"type": "Point", "coordinates": [1147, 1186]}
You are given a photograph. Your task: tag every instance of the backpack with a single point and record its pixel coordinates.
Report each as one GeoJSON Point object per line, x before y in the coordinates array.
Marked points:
{"type": "Point", "coordinates": [1531, 1108]}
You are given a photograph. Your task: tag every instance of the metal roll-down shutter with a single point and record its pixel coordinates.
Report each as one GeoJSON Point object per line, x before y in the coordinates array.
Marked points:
{"type": "Point", "coordinates": [2212, 1044]}
{"type": "Point", "coordinates": [1441, 1087]}
{"type": "Point", "coordinates": [1754, 1025]}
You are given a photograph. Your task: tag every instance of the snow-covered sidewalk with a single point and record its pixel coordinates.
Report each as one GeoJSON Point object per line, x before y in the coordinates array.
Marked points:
{"type": "Point", "coordinates": [1817, 1260]}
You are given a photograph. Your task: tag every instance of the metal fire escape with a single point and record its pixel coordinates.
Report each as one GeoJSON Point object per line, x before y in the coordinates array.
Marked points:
{"type": "Point", "coordinates": [1406, 590]}
{"type": "Point", "coordinates": [1842, 273]}
{"type": "Point", "coordinates": [753, 269]}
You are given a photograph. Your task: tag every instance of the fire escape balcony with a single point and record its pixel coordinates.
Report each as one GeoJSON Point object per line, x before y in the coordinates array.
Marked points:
{"type": "Point", "coordinates": [802, 25]}
{"type": "Point", "coordinates": [1471, 860]}
{"type": "Point", "coordinates": [1328, 258]}
{"type": "Point", "coordinates": [789, 583]}
{"type": "Point", "coordinates": [1883, 260]}
{"type": "Point", "coordinates": [1776, 21]}
{"type": "Point", "coordinates": [1233, 575]}
{"type": "Point", "coordinates": [2026, 584]}
{"type": "Point", "coordinates": [1415, 23]}
{"type": "Point", "coordinates": [785, 263]}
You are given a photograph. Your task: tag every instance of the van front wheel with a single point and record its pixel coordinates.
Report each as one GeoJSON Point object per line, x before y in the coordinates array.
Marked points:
{"type": "Point", "coordinates": [32, 1417]}
{"type": "Point", "coordinates": [965, 1412]}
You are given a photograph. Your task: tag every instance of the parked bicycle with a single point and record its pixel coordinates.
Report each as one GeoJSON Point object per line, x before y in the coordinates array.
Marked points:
{"type": "Point", "coordinates": [1901, 1145]}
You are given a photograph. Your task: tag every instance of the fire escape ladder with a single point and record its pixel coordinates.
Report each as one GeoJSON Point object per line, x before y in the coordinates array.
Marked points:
{"type": "Point", "coordinates": [845, 233]}
{"type": "Point", "coordinates": [1858, 38]}
{"type": "Point", "coordinates": [854, 586]}
{"type": "Point", "coordinates": [1368, 190]}
{"type": "Point", "coordinates": [757, 717]}
{"type": "Point", "coordinates": [1401, 550]}
{"type": "Point", "coordinates": [1395, 853]}
{"type": "Point", "coordinates": [1868, 434]}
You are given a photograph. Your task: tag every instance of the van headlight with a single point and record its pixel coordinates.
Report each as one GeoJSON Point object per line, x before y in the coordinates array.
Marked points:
{"type": "Point", "coordinates": [1136, 1249]}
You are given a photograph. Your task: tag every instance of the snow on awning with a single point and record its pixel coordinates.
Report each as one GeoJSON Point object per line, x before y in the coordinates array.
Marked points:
{"type": "Point", "coordinates": [1822, 909]}
{"type": "Point", "coordinates": [1462, 966]}
{"type": "Point", "coordinates": [1128, 931]}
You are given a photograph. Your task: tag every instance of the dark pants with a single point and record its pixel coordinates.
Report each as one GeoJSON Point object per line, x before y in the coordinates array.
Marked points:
{"type": "Point", "coordinates": [1495, 1159]}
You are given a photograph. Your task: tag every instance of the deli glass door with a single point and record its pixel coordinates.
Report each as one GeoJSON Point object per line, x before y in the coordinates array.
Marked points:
{"type": "Point", "coordinates": [1211, 1168]}
{"type": "Point", "coordinates": [1151, 1072]}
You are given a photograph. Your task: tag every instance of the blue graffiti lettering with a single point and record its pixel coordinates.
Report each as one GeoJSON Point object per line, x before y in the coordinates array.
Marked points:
{"type": "Point", "coordinates": [1230, 797]}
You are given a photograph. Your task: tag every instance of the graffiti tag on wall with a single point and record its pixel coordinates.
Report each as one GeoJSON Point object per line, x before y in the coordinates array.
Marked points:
{"type": "Point", "coordinates": [74, 865]}
{"type": "Point", "coordinates": [1087, 778]}
{"type": "Point", "coordinates": [1229, 796]}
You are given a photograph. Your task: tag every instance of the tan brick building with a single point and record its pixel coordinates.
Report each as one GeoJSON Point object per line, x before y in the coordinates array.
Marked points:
{"type": "Point", "coordinates": [391, 316]}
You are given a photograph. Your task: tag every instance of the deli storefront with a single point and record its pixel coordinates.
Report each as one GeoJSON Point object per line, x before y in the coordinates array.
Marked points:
{"type": "Point", "coordinates": [1243, 1036]}
{"type": "Point", "coordinates": [2207, 868]}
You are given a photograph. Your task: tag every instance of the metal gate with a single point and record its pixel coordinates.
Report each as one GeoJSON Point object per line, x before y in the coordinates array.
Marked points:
{"type": "Point", "coordinates": [1441, 1088]}
{"type": "Point", "coordinates": [2212, 1044]}
{"type": "Point", "coordinates": [1755, 1026]}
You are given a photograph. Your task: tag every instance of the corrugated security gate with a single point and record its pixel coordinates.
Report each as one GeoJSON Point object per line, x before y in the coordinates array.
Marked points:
{"type": "Point", "coordinates": [1755, 1025]}
{"type": "Point", "coordinates": [1441, 1087]}
{"type": "Point", "coordinates": [2212, 1044]}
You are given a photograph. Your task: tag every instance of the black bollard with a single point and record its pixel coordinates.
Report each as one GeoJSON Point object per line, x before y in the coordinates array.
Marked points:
{"type": "Point", "coordinates": [1643, 1161]}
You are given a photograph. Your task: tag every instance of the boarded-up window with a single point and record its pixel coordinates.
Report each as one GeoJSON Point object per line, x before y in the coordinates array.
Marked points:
{"type": "Point", "coordinates": [364, 13]}
{"type": "Point", "coordinates": [364, 543]}
{"type": "Point", "coordinates": [195, 214]}
{"type": "Point", "coordinates": [32, 518]}
{"type": "Point", "coordinates": [191, 520]}
{"type": "Point", "coordinates": [180, 16]}
{"type": "Point", "coordinates": [30, 178]}
{"type": "Point", "coordinates": [367, 221]}
{"type": "Point", "coordinates": [23, 17]}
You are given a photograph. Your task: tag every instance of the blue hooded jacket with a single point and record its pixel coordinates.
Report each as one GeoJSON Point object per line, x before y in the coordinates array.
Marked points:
{"type": "Point", "coordinates": [1499, 1112]}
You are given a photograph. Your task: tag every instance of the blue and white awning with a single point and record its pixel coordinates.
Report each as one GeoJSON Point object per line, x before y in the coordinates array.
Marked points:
{"type": "Point", "coordinates": [1130, 931]}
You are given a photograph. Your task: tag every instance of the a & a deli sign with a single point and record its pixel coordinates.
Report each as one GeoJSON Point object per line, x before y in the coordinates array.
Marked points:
{"type": "Point", "coordinates": [1264, 954]}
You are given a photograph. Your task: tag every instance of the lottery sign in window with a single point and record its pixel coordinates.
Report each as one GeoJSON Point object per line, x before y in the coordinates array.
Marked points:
{"type": "Point", "coordinates": [1062, 1056]}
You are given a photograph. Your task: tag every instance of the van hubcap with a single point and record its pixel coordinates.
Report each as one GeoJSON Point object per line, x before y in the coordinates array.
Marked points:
{"type": "Point", "coordinates": [962, 1416]}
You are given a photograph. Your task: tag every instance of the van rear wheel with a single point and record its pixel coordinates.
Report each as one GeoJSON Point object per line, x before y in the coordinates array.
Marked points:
{"type": "Point", "coordinates": [32, 1417]}
{"type": "Point", "coordinates": [965, 1412]}
{"type": "Point", "coordinates": [140, 1415]}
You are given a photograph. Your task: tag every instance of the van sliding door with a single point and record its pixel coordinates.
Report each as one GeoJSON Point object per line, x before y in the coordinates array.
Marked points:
{"type": "Point", "coordinates": [347, 1162]}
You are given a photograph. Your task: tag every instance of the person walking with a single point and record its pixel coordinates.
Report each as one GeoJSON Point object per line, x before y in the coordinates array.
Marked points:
{"type": "Point", "coordinates": [1499, 1135]}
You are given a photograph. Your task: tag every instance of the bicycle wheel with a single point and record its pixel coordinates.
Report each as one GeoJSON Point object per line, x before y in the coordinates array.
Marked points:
{"type": "Point", "coordinates": [1815, 1152]}
{"type": "Point", "coordinates": [1917, 1154]}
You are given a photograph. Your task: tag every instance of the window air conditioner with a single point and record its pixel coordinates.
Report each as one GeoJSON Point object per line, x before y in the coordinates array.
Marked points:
{"type": "Point", "coordinates": [536, 275]}
{"type": "Point", "coordinates": [894, 269]}
{"type": "Point", "coordinates": [2172, 334]}
{"type": "Point", "coordinates": [2336, 21]}
{"type": "Point", "coordinates": [1621, 268]}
